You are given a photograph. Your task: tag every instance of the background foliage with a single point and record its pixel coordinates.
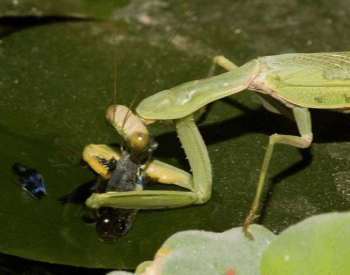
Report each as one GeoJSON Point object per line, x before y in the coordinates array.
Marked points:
{"type": "Point", "coordinates": [56, 80]}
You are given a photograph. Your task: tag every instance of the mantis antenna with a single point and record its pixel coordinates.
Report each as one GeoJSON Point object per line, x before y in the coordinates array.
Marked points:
{"type": "Point", "coordinates": [160, 55]}
{"type": "Point", "coordinates": [140, 140]}
{"type": "Point", "coordinates": [115, 68]}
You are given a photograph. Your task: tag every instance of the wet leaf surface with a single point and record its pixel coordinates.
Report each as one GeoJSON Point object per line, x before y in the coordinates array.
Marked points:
{"type": "Point", "coordinates": [57, 80]}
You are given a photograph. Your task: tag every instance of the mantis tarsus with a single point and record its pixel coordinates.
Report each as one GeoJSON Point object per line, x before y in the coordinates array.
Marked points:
{"type": "Point", "coordinates": [289, 83]}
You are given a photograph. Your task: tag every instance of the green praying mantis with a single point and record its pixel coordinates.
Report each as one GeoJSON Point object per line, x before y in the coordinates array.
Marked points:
{"type": "Point", "coordinates": [288, 84]}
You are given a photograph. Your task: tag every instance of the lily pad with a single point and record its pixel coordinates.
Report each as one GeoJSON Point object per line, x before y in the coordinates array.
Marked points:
{"type": "Point", "coordinates": [57, 80]}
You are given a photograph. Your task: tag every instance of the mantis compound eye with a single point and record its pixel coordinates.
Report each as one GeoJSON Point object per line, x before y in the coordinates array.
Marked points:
{"type": "Point", "coordinates": [138, 141]}
{"type": "Point", "coordinates": [114, 223]}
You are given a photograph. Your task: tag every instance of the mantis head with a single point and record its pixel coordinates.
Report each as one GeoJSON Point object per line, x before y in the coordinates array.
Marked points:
{"type": "Point", "coordinates": [129, 126]}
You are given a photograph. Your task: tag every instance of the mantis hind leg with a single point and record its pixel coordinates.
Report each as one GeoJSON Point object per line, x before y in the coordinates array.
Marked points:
{"type": "Point", "coordinates": [303, 120]}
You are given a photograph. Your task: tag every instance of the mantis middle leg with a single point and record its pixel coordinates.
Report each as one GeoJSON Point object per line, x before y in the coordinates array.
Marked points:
{"type": "Point", "coordinates": [303, 120]}
{"type": "Point", "coordinates": [223, 62]}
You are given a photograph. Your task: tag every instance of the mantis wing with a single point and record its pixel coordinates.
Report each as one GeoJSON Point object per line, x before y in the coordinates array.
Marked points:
{"type": "Point", "coordinates": [316, 80]}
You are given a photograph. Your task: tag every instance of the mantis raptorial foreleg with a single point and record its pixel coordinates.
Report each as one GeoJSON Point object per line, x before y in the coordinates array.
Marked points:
{"type": "Point", "coordinates": [156, 170]}
{"type": "Point", "coordinates": [200, 185]}
{"type": "Point", "coordinates": [125, 188]}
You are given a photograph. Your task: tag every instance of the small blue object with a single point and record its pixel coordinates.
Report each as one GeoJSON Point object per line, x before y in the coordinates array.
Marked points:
{"type": "Point", "coordinates": [30, 180]}
{"type": "Point", "coordinates": [140, 178]}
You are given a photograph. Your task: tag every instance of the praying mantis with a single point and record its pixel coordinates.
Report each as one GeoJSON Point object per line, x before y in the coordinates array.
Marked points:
{"type": "Point", "coordinates": [288, 84]}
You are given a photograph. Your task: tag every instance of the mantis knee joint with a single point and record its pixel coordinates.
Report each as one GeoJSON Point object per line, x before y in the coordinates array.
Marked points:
{"type": "Point", "coordinates": [307, 140]}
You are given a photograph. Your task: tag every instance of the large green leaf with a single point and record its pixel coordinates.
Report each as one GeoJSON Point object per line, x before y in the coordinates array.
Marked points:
{"type": "Point", "coordinates": [200, 252]}
{"type": "Point", "coordinates": [318, 245]}
{"type": "Point", "coordinates": [57, 79]}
